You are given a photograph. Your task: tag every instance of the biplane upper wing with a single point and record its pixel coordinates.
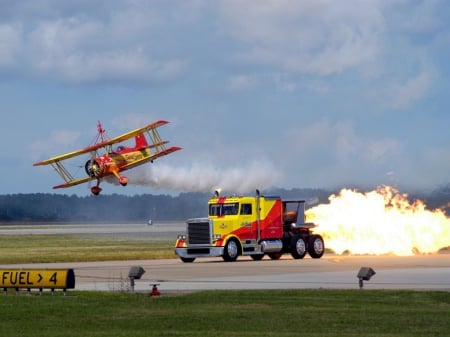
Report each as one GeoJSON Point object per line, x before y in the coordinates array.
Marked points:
{"type": "Point", "coordinates": [111, 141]}
{"type": "Point", "coordinates": [134, 133]}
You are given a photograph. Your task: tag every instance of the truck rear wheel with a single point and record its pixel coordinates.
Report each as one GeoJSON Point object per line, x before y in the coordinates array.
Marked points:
{"type": "Point", "coordinates": [257, 257]}
{"type": "Point", "coordinates": [231, 251]}
{"type": "Point", "coordinates": [316, 247]}
{"type": "Point", "coordinates": [275, 256]}
{"type": "Point", "coordinates": [298, 247]}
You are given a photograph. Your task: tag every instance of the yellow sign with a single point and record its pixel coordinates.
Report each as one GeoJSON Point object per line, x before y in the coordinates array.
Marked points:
{"type": "Point", "coordinates": [33, 278]}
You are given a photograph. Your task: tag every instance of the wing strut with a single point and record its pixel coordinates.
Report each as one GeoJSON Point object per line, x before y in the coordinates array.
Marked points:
{"type": "Point", "coordinates": [62, 171]}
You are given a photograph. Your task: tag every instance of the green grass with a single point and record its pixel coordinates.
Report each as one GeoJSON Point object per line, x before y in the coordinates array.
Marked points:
{"type": "Point", "coordinates": [76, 248]}
{"type": "Point", "coordinates": [229, 313]}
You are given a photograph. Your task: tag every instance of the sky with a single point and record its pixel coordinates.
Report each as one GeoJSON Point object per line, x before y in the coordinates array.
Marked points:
{"type": "Point", "coordinates": [259, 94]}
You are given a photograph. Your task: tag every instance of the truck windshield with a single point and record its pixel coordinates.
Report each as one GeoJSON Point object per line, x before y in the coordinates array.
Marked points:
{"type": "Point", "coordinates": [223, 209]}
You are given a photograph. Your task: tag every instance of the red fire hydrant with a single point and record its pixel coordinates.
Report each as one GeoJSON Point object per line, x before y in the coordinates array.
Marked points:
{"type": "Point", "coordinates": [155, 291]}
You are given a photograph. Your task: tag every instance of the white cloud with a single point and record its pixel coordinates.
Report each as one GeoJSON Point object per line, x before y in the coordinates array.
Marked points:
{"type": "Point", "coordinates": [82, 51]}
{"type": "Point", "coordinates": [327, 152]}
{"type": "Point", "coordinates": [404, 95]}
{"type": "Point", "coordinates": [127, 67]}
{"type": "Point", "coordinates": [321, 38]}
{"type": "Point", "coordinates": [418, 16]}
{"type": "Point", "coordinates": [284, 83]}
{"type": "Point", "coordinates": [382, 150]}
{"type": "Point", "coordinates": [58, 143]}
{"type": "Point", "coordinates": [65, 137]}
{"type": "Point", "coordinates": [132, 120]}
{"type": "Point", "coordinates": [240, 83]}
{"type": "Point", "coordinates": [10, 44]}
{"type": "Point", "coordinates": [347, 143]}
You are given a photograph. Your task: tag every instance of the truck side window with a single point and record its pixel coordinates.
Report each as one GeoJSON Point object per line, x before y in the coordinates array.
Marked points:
{"type": "Point", "coordinates": [246, 209]}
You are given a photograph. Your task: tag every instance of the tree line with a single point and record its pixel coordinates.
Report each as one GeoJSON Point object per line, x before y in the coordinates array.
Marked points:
{"type": "Point", "coordinates": [46, 207]}
{"type": "Point", "coordinates": [103, 208]}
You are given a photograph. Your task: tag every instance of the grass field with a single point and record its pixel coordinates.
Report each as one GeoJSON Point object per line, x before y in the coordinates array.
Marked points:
{"type": "Point", "coordinates": [82, 248]}
{"type": "Point", "coordinates": [229, 313]}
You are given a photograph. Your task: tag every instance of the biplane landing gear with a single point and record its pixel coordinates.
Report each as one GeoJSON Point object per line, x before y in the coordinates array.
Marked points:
{"type": "Point", "coordinates": [96, 190]}
{"type": "Point", "coordinates": [123, 181]}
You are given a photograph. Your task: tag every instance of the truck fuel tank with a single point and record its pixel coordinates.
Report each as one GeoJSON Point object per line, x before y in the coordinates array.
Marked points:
{"type": "Point", "coordinates": [271, 246]}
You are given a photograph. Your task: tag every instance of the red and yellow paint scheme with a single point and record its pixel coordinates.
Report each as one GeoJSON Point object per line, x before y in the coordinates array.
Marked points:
{"type": "Point", "coordinates": [111, 161]}
{"type": "Point", "coordinates": [249, 225]}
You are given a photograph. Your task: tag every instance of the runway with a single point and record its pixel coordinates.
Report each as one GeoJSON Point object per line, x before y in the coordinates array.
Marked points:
{"type": "Point", "coordinates": [329, 272]}
{"type": "Point", "coordinates": [172, 275]}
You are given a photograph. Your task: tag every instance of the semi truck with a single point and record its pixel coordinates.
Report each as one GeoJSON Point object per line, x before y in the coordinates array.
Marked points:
{"type": "Point", "coordinates": [252, 226]}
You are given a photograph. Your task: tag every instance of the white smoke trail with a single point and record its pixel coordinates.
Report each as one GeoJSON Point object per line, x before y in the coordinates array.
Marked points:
{"type": "Point", "coordinates": [205, 177]}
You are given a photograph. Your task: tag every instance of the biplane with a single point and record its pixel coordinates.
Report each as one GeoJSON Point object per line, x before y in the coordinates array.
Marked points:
{"type": "Point", "coordinates": [108, 158]}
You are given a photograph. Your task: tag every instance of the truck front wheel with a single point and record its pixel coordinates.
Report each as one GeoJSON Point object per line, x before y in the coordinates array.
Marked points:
{"type": "Point", "coordinates": [298, 247]}
{"type": "Point", "coordinates": [316, 247]}
{"type": "Point", "coordinates": [231, 251]}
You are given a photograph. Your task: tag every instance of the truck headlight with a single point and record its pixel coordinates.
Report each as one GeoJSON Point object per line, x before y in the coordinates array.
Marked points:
{"type": "Point", "coordinates": [182, 237]}
{"type": "Point", "coordinates": [216, 237]}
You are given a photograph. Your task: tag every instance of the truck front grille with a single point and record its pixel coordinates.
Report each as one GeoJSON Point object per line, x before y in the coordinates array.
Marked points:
{"type": "Point", "coordinates": [199, 232]}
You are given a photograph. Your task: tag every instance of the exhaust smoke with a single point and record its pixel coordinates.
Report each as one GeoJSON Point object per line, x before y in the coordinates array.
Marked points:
{"type": "Point", "coordinates": [206, 178]}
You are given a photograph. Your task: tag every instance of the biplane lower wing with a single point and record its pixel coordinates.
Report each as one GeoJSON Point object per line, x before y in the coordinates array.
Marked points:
{"type": "Point", "coordinates": [74, 182]}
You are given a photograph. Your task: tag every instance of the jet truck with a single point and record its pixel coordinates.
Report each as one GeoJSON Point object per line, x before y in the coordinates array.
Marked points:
{"type": "Point", "coordinates": [250, 225]}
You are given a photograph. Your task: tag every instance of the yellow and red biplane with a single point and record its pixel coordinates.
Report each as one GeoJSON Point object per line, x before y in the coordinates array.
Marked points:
{"type": "Point", "coordinates": [113, 161]}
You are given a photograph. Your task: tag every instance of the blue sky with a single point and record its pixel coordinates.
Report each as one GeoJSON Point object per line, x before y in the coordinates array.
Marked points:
{"type": "Point", "coordinates": [319, 94]}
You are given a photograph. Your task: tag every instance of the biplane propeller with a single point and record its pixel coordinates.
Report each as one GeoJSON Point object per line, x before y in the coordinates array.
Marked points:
{"type": "Point", "coordinates": [148, 147]}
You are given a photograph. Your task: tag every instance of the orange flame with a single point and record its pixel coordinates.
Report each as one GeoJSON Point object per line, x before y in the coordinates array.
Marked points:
{"type": "Point", "coordinates": [380, 222]}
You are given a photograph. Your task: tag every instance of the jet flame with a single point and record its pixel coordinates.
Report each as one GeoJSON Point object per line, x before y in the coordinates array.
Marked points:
{"type": "Point", "coordinates": [379, 222]}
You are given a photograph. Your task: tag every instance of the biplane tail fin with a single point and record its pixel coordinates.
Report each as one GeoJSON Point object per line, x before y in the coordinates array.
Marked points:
{"type": "Point", "coordinates": [141, 142]}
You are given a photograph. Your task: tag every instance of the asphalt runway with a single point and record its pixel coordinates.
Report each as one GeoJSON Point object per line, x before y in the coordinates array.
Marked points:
{"type": "Point", "coordinates": [420, 272]}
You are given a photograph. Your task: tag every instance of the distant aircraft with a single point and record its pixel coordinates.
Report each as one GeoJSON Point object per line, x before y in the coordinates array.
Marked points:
{"type": "Point", "coordinates": [113, 161]}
